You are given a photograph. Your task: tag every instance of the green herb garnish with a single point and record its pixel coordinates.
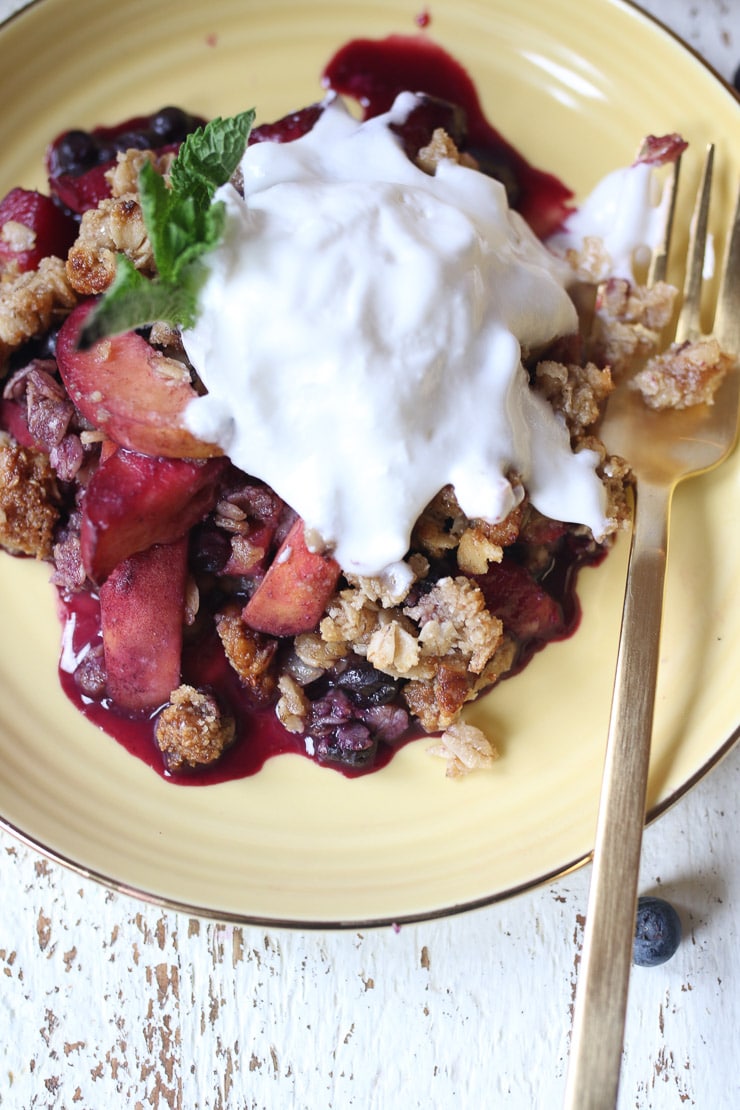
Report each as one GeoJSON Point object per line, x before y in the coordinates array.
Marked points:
{"type": "Point", "coordinates": [183, 223]}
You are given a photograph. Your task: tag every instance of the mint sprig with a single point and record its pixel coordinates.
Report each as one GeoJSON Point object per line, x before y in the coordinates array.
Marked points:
{"type": "Point", "coordinates": [183, 223]}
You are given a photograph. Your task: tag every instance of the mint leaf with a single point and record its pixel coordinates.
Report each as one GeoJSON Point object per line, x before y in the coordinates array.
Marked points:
{"type": "Point", "coordinates": [166, 238]}
{"type": "Point", "coordinates": [209, 156]}
{"type": "Point", "coordinates": [133, 301]}
{"type": "Point", "coordinates": [183, 223]}
{"type": "Point", "coordinates": [180, 229]}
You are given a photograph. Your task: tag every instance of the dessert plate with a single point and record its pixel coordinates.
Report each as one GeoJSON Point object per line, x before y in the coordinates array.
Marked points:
{"type": "Point", "coordinates": [575, 88]}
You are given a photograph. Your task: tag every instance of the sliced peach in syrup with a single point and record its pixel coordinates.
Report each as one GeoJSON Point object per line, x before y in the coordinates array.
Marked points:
{"type": "Point", "coordinates": [142, 607]}
{"type": "Point", "coordinates": [295, 591]}
{"type": "Point", "coordinates": [129, 390]}
{"type": "Point", "coordinates": [134, 501]}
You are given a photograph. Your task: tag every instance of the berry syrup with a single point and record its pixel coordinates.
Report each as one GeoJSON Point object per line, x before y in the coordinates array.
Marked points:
{"type": "Point", "coordinates": [259, 734]}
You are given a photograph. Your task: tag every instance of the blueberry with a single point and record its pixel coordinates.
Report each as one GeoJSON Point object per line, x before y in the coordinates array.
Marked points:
{"type": "Point", "coordinates": [209, 549]}
{"type": "Point", "coordinates": [366, 686]}
{"type": "Point", "coordinates": [657, 932]}
{"type": "Point", "coordinates": [171, 125]}
{"type": "Point", "coordinates": [73, 153]}
{"type": "Point", "coordinates": [349, 744]}
{"type": "Point", "coordinates": [339, 736]}
{"type": "Point", "coordinates": [107, 149]}
{"type": "Point", "coordinates": [132, 140]}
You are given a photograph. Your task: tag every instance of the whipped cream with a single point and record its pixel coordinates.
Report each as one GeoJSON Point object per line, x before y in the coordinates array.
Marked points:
{"type": "Point", "coordinates": [626, 211]}
{"type": "Point", "coordinates": [360, 336]}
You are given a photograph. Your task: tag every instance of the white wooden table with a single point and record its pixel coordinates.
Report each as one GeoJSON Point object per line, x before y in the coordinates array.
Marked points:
{"type": "Point", "coordinates": [108, 1003]}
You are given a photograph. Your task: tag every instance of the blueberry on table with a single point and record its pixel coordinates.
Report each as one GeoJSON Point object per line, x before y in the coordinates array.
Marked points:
{"type": "Point", "coordinates": [657, 932]}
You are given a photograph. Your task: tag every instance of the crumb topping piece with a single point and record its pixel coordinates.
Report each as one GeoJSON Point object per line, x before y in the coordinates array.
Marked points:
{"type": "Point", "coordinates": [466, 748]}
{"type": "Point", "coordinates": [628, 322]}
{"type": "Point", "coordinates": [616, 476]}
{"type": "Point", "coordinates": [31, 302]}
{"type": "Point", "coordinates": [250, 653]}
{"type": "Point", "coordinates": [438, 700]}
{"type": "Point", "coordinates": [116, 225]}
{"type": "Point", "coordinates": [442, 148]}
{"type": "Point", "coordinates": [29, 501]}
{"type": "Point", "coordinates": [316, 653]}
{"type": "Point", "coordinates": [578, 392]}
{"type": "Point", "coordinates": [447, 645]}
{"type": "Point", "coordinates": [191, 730]}
{"type": "Point", "coordinates": [451, 619]}
{"type": "Point", "coordinates": [292, 706]}
{"type": "Point", "coordinates": [440, 526]}
{"type": "Point", "coordinates": [686, 374]}
{"type": "Point", "coordinates": [454, 620]}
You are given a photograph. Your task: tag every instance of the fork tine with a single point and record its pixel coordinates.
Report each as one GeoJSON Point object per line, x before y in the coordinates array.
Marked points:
{"type": "Point", "coordinates": [659, 260]}
{"type": "Point", "coordinates": [689, 324]}
{"type": "Point", "coordinates": [727, 317]}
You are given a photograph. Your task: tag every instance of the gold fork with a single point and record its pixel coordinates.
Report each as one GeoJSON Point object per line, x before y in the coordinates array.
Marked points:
{"type": "Point", "coordinates": [663, 449]}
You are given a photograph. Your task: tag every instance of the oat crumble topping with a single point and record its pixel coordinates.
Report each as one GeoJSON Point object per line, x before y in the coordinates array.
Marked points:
{"type": "Point", "coordinates": [250, 653]}
{"type": "Point", "coordinates": [29, 500]}
{"type": "Point", "coordinates": [465, 748]}
{"type": "Point", "coordinates": [686, 374]}
{"type": "Point", "coordinates": [292, 705]}
{"type": "Point", "coordinates": [628, 323]}
{"type": "Point", "coordinates": [115, 226]}
{"type": "Point", "coordinates": [30, 303]}
{"type": "Point", "coordinates": [192, 731]}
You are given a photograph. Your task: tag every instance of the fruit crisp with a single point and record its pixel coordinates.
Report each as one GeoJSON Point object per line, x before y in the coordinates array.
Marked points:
{"type": "Point", "coordinates": [206, 613]}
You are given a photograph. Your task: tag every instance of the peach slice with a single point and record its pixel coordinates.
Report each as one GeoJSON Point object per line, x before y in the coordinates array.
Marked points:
{"type": "Point", "coordinates": [129, 390]}
{"type": "Point", "coordinates": [134, 501]}
{"type": "Point", "coordinates": [295, 591]}
{"type": "Point", "coordinates": [142, 607]}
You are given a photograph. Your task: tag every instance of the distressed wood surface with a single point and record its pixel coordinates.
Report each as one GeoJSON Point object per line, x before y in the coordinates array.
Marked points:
{"type": "Point", "coordinates": [109, 1003]}
{"type": "Point", "coordinates": [106, 1002]}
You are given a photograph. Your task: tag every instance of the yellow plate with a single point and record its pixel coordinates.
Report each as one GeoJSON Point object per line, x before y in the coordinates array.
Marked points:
{"type": "Point", "coordinates": [575, 86]}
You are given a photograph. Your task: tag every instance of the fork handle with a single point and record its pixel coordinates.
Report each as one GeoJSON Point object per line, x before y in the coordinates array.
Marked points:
{"type": "Point", "coordinates": [601, 997]}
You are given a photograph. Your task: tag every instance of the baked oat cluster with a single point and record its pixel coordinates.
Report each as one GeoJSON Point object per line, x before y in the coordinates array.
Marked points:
{"type": "Point", "coordinates": [628, 325]}
{"type": "Point", "coordinates": [192, 560]}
